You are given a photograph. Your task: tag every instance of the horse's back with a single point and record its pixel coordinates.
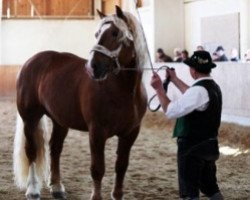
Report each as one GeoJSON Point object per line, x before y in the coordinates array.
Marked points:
{"type": "Point", "coordinates": [49, 83]}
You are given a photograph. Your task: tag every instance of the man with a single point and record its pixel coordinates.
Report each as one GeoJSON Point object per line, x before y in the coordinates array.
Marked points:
{"type": "Point", "coordinates": [162, 57]}
{"type": "Point", "coordinates": [184, 55]}
{"type": "Point", "coordinates": [198, 113]}
{"type": "Point", "coordinates": [219, 55]}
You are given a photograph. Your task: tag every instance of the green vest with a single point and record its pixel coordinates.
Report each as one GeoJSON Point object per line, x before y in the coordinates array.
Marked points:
{"type": "Point", "coordinates": [202, 124]}
{"type": "Point", "coordinates": [180, 129]}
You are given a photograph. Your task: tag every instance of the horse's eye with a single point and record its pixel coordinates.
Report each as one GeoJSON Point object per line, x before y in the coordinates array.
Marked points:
{"type": "Point", "coordinates": [115, 33]}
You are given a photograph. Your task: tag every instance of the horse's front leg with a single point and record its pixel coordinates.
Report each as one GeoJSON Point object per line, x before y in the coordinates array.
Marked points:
{"type": "Point", "coordinates": [56, 145]}
{"type": "Point", "coordinates": [123, 151]}
{"type": "Point", "coordinates": [97, 145]}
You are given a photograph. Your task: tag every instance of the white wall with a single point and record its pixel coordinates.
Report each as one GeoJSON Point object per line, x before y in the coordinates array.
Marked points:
{"type": "Point", "coordinates": [169, 25]}
{"type": "Point", "coordinates": [232, 78]}
{"type": "Point", "coordinates": [195, 10]}
{"type": "Point", "coordinates": [245, 25]}
{"type": "Point", "coordinates": [20, 39]}
{"type": "Point", "coordinates": [163, 22]}
{"type": "Point", "coordinates": [23, 38]}
{"type": "Point", "coordinates": [147, 20]}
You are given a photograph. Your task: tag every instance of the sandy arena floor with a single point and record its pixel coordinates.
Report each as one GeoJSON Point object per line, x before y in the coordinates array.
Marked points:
{"type": "Point", "coordinates": [152, 170]}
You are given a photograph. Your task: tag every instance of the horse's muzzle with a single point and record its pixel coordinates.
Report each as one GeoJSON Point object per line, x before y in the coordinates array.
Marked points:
{"type": "Point", "coordinates": [97, 71]}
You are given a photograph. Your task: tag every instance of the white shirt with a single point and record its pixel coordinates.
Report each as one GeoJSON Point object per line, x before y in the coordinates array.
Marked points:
{"type": "Point", "coordinates": [194, 98]}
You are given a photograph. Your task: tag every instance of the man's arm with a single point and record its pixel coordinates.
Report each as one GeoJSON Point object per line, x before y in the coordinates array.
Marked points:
{"type": "Point", "coordinates": [180, 84]}
{"type": "Point", "coordinates": [163, 98]}
{"type": "Point", "coordinates": [176, 81]}
{"type": "Point", "coordinates": [156, 83]}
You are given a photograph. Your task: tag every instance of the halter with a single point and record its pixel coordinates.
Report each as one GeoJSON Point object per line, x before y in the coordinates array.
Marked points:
{"type": "Point", "coordinates": [114, 55]}
{"type": "Point", "coordinates": [111, 54]}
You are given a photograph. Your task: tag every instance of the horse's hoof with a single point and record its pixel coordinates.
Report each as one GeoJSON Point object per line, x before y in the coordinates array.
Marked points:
{"type": "Point", "coordinates": [59, 195]}
{"type": "Point", "coordinates": [33, 196]}
{"type": "Point", "coordinates": [117, 196]}
{"type": "Point", "coordinates": [95, 197]}
{"type": "Point", "coordinates": [57, 190]}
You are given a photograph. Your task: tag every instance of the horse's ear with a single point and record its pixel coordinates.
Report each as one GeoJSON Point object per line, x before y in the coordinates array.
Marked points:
{"type": "Point", "coordinates": [102, 15]}
{"type": "Point", "coordinates": [120, 14]}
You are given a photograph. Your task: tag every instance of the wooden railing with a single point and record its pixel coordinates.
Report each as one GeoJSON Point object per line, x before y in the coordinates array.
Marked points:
{"type": "Point", "coordinates": [29, 9]}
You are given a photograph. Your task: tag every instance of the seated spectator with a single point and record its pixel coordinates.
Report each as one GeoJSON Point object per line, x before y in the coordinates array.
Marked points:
{"type": "Point", "coordinates": [177, 55]}
{"type": "Point", "coordinates": [184, 55]}
{"type": "Point", "coordinates": [234, 55]}
{"type": "Point", "coordinates": [247, 56]}
{"type": "Point", "coordinates": [219, 55]}
{"type": "Point", "coordinates": [200, 48]}
{"type": "Point", "coordinates": [162, 57]}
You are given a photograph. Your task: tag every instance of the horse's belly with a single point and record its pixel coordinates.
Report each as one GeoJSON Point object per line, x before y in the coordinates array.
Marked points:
{"type": "Point", "coordinates": [65, 112]}
{"type": "Point", "coordinates": [70, 120]}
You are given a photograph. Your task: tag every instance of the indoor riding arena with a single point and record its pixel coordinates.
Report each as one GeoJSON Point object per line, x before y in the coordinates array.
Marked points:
{"type": "Point", "coordinates": [81, 28]}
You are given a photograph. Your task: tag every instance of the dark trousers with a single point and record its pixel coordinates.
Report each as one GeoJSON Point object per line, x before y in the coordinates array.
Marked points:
{"type": "Point", "coordinates": [196, 173]}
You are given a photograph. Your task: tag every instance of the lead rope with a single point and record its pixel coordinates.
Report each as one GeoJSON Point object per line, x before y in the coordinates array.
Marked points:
{"type": "Point", "coordinates": [167, 80]}
{"type": "Point", "coordinates": [165, 86]}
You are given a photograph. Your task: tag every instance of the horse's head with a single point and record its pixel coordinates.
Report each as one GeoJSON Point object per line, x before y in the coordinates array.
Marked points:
{"type": "Point", "coordinates": [115, 47]}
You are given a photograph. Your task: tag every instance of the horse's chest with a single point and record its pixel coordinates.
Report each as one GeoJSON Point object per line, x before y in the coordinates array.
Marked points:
{"type": "Point", "coordinates": [118, 118]}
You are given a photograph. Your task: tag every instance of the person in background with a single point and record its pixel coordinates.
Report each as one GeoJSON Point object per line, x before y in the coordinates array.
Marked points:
{"type": "Point", "coordinates": [198, 113]}
{"type": "Point", "coordinates": [234, 57]}
{"type": "Point", "coordinates": [219, 55]}
{"type": "Point", "coordinates": [177, 55]}
{"type": "Point", "coordinates": [162, 57]}
{"type": "Point", "coordinates": [200, 48]}
{"type": "Point", "coordinates": [184, 55]}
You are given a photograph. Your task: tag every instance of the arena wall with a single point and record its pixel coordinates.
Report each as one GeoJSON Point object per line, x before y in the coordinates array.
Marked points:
{"type": "Point", "coordinates": [197, 10]}
{"type": "Point", "coordinates": [233, 78]}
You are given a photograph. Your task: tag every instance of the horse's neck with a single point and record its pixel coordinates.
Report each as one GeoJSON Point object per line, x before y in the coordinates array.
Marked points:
{"type": "Point", "coordinates": [131, 80]}
{"type": "Point", "coordinates": [134, 76]}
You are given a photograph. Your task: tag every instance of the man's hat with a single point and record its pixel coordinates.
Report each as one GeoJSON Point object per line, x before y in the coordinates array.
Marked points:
{"type": "Point", "coordinates": [201, 61]}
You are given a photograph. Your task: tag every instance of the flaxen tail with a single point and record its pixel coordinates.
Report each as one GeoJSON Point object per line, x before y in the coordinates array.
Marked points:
{"type": "Point", "coordinates": [20, 160]}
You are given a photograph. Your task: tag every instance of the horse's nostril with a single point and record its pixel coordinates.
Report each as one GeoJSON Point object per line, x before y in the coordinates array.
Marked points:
{"type": "Point", "coordinates": [99, 70]}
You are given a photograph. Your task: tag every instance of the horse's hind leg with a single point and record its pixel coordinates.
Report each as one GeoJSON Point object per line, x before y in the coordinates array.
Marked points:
{"type": "Point", "coordinates": [123, 151]}
{"type": "Point", "coordinates": [56, 145]}
{"type": "Point", "coordinates": [34, 160]}
{"type": "Point", "coordinates": [33, 189]}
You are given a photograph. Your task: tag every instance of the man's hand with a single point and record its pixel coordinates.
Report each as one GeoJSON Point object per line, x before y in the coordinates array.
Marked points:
{"type": "Point", "coordinates": [170, 72]}
{"type": "Point", "coordinates": [176, 81]}
{"type": "Point", "coordinates": [156, 82]}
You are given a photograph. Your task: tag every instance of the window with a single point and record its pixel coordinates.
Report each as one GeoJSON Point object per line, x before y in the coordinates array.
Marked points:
{"type": "Point", "coordinates": [108, 6]}
{"type": "Point", "coordinates": [16, 9]}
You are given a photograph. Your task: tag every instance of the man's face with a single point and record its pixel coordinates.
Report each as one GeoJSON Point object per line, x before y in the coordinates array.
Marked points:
{"type": "Point", "coordinates": [192, 72]}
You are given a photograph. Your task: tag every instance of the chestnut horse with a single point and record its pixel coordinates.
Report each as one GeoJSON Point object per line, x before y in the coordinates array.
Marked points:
{"type": "Point", "coordinates": [104, 96]}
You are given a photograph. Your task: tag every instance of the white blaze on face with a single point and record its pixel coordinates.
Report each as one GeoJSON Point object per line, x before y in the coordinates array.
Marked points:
{"type": "Point", "coordinates": [102, 30]}
{"type": "Point", "coordinates": [99, 33]}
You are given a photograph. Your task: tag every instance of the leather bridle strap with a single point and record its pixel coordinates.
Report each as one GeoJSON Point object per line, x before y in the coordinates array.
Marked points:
{"type": "Point", "coordinates": [111, 54]}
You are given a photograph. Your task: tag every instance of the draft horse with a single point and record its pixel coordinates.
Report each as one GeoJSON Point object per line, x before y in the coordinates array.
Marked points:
{"type": "Point", "coordinates": [104, 96]}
